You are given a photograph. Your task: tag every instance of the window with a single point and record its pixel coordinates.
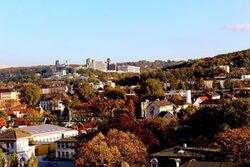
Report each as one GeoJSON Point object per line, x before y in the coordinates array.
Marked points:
{"type": "Point", "coordinates": [58, 145]}
{"type": "Point", "coordinates": [66, 145]}
{"type": "Point", "coordinates": [58, 154]}
{"type": "Point", "coordinates": [67, 155]}
{"type": "Point", "coordinates": [63, 154]}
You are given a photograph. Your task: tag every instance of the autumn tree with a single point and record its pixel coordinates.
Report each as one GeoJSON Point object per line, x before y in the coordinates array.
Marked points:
{"type": "Point", "coordinates": [113, 147]}
{"type": "Point", "coordinates": [30, 93]}
{"type": "Point", "coordinates": [2, 122]}
{"type": "Point", "coordinates": [128, 144]}
{"type": "Point", "coordinates": [32, 162]}
{"type": "Point", "coordinates": [235, 143]}
{"type": "Point", "coordinates": [12, 160]}
{"type": "Point", "coordinates": [97, 151]}
{"type": "Point", "coordinates": [3, 115]}
{"type": "Point", "coordinates": [32, 115]}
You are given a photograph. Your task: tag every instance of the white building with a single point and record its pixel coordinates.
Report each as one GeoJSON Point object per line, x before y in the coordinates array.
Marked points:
{"type": "Point", "coordinates": [8, 94]}
{"type": "Point", "coordinates": [17, 140]}
{"type": "Point", "coordinates": [49, 133]}
{"type": "Point", "coordinates": [182, 93]}
{"type": "Point", "coordinates": [128, 68]}
{"type": "Point", "coordinates": [158, 106]}
{"type": "Point", "coordinates": [65, 148]}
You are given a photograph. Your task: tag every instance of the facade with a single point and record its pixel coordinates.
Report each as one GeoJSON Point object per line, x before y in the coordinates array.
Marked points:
{"type": "Point", "coordinates": [49, 133]}
{"type": "Point", "coordinates": [8, 94]}
{"type": "Point", "coordinates": [65, 148]}
{"type": "Point", "coordinates": [127, 68]}
{"type": "Point", "coordinates": [183, 93]}
{"type": "Point", "coordinates": [96, 65]}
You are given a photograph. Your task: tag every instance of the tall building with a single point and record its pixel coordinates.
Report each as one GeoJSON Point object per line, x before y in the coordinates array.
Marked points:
{"type": "Point", "coordinates": [96, 65]}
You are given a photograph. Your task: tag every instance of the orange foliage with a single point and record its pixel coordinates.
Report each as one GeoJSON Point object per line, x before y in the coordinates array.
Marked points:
{"type": "Point", "coordinates": [2, 122]}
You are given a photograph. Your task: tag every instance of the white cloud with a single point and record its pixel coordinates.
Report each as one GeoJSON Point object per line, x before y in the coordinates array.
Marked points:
{"type": "Point", "coordinates": [239, 27]}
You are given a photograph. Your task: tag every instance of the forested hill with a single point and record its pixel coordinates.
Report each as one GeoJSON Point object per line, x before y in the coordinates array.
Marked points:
{"type": "Point", "coordinates": [234, 59]}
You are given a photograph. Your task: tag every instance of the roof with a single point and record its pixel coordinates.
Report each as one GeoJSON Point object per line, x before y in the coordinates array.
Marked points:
{"type": "Point", "coordinates": [45, 128]}
{"type": "Point", "coordinates": [207, 164]}
{"type": "Point", "coordinates": [203, 98]}
{"type": "Point", "coordinates": [14, 134]}
{"type": "Point", "coordinates": [162, 103]}
{"type": "Point", "coordinates": [5, 90]}
{"type": "Point", "coordinates": [174, 153]}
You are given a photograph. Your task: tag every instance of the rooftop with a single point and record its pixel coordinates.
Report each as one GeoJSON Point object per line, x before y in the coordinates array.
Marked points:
{"type": "Point", "coordinates": [14, 134]}
{"type": "Point", "coordinates": [45, 128]}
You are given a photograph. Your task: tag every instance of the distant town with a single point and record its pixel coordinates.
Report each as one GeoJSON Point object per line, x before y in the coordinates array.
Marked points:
{"type": "Point", "coordinates": [135, 114]}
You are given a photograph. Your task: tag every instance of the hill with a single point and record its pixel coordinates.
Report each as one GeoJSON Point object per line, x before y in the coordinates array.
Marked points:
{"type": "Point", "coordinates": [236, 59]}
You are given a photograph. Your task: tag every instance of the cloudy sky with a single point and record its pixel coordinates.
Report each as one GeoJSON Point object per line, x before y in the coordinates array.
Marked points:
{"type": "Point", "coordinates": [41, 31]}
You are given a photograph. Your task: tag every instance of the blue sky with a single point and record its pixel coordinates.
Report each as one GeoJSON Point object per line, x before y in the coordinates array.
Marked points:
{"type": "Point", "coordinates": [34, 32]}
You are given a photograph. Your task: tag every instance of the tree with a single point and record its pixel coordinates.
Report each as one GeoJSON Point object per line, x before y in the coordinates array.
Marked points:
{"type": "Point", "coordinates": [30, 93]}
{"type": "Point", "coordinates": [2, 122]}
{"type": "Point", "coordinates": [33, 162]}
{"type": "Point", "coordinates": [235, 143]}
{"type": "Point", "coordinates": [84, 90]}
{"type": "Point", "coordinates": [113, 147]}
{"type": "Point", "coordinates": [1, 158]}
{"type": "Point", "coordinates": [128, 144]}
{"type": "Point", "coordinates": [153, 88]}
{"type": "Point", "coordinates": [3, 115]}
{"type": "Point", "coordinates": [96, 151]}
{"type": "Point", "coordinates": [12, 160]}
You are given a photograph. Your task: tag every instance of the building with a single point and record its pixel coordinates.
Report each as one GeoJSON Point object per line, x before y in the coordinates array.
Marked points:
{"type": "Point", "coordinates": [225, 67]}
{"type": "Point", "coordinates": [183, 93]}
{"type": "Point", "coordinates": [128, 68]}
{"type": "Point", "coordinates": [8, 94]}
{"type": "Point", "coordinates": [49, 133]}
{"type": "Point", "coordinates": [96, 65]}
{"type": "Point", "coordinates": [65, 148]}
{"type": "Point", "coordinates": [18, 141]}
{"type": "Point", "coordinates": [158, 106]}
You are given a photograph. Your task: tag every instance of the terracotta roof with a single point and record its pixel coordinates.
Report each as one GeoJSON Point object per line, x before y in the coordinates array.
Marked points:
{"type": "Point", "coordinates": [163, 103]}
{"type": "Point", "coordinates": [203, 98]}
{"type": "Point", "coordinates": [14, 134]}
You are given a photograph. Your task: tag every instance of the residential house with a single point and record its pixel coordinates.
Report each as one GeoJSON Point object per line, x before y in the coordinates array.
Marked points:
{"type": "Point", "coordinates": [158, 106]}
{"type": "Point", "coordinates": [200, 100]}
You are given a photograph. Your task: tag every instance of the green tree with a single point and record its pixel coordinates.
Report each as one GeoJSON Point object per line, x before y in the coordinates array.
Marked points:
{"type": "Point", "coordinates": [84, 91]}
{"type": "Point", "coordinates": [12, 160]}
{"type": "Point", "coordinates": [153, 88]}
{"type": "Point", "coordinates": [33, 162]}
{"type": "Point", "coordinates": [1, 158]}
{"type": "Point", "coordinates": [30, 93]}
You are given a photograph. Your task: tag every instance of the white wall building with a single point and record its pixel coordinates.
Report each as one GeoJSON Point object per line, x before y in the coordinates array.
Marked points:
{"type": "Point", "coordinates": [49, 133]}
{"type": "Point", "coordinates": [65, 148]}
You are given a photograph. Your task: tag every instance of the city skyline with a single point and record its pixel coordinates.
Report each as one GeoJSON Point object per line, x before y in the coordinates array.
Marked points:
{"type": "Point", "coordinates": [40, 32]}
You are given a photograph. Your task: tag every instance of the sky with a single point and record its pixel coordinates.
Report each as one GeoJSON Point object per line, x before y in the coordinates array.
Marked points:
{"type": "Point", "coordinates": [38, 32]}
